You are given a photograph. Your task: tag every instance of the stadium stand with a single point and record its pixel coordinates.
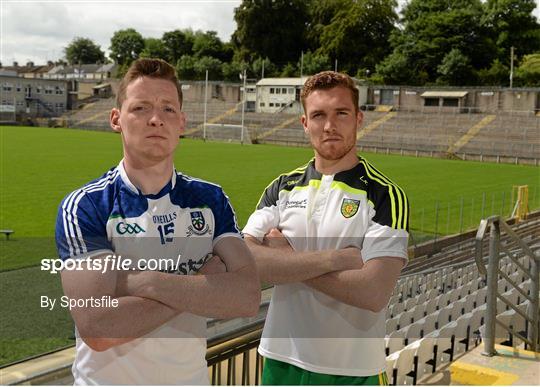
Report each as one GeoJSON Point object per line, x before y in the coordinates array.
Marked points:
{"type": "Point", "coordinates": [510, 137]}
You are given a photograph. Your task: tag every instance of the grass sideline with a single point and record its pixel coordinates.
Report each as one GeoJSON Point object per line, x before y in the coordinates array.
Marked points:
{"type": "Point", "coordinates": [39, 166]}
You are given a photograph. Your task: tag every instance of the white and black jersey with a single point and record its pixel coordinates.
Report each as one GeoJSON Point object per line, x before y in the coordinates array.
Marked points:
{"type": "Point", "coordinates": [359, 207]}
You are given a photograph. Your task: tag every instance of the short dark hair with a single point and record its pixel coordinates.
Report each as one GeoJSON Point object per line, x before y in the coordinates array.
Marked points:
{"type": "Point", "coordinates": [147, 67]}
{"type": "Point", "coordinates": [328, 80]}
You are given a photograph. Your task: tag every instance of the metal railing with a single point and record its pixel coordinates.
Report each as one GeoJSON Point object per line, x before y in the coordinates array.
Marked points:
{"type": "Point", "coordinates": [495, 224]}
{"type": "Point", "coordinates": [233, 357]}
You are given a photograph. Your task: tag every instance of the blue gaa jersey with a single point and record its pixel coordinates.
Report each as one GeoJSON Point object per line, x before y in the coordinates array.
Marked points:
{"type": "Point", "coordinates": [176, 229]}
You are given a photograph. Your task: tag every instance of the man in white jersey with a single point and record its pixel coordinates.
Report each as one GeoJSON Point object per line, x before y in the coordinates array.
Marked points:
{"type": "Point", "coordinates": [144, 213]}
{"type": "Point", "coordinates": [332, 237]}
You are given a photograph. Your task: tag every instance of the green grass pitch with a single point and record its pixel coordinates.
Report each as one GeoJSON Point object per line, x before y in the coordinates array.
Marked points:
{"type": "Point", "coordinates": [39, 166]}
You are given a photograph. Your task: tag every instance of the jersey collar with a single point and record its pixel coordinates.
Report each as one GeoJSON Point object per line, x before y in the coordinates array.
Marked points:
{"type": "Point", "coordinates": [166, 189]}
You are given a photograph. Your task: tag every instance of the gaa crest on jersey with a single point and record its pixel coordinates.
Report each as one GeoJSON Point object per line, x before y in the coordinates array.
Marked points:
{"type": "Point", "coordinates": [349, 207]}
{"type": "Point", "coordinates": [198, 224]}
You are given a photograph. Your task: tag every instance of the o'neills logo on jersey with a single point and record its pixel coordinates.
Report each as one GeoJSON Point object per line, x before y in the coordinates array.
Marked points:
{"type": "Point", "coordinates": [128, 228]}
{"type": "Point", "coordinates": [349, 207]}
{"type": "Point", "coordinates": [198, 224]}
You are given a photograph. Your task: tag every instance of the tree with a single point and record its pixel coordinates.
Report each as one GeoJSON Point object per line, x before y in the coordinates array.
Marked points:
{"type": "Point", "coordinates": [314, 63]}
{"type": "Point", "coordinates": [178, 43]}
{"type": "Point", "coordinates": [496, 75]}
{"type": "Point", "coordinates": [186, 67]}
{"type": "Point", "coordinates": [357, 34]}
{"type": "Point", "coordinates": [290, 70]}
{"type": "Point", "coordinates": [231, 70]}
{"type": "Point", "coordinates": [512, 23]}
{"type": "Point", "coordinates": [207, 44]}
{"type": "Point", "coordinates": [455, 69]}
{"type": "Point", "coordinates": [321, 14]}
{"type": "Point", "coordinates": [126, 46]}
{"type": "Point", "coordinates": [270, 69]}
{"type": "Point", "coordinates": [83, 51]}
{"type": "Point", "coordinates": [213, 65]}
{"type": "Point", "coordinates": [154, 48]}
{"type": "Point", "coordinates": [528, 73]}
{"type": "Point", "coordinates": [431, 29]}
{"type": "Point", "coordinates": [273, 29]}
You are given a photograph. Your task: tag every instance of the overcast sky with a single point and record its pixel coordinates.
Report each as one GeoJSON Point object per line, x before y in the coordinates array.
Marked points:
{"type": "Point", "coordinates": [39, 30]}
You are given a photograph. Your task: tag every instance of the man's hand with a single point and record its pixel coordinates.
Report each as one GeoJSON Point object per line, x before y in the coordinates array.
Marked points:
{"type": "Point", "coordinates": [349, 258]}
{"type": "Point", "coordinates": [278, 263]}
{"type": "Point", "coordinates": [276, 240]}
{"type": "Point", "coordinates": [127, 282]}
{"type": "Point", "coordinates": [214, 266]}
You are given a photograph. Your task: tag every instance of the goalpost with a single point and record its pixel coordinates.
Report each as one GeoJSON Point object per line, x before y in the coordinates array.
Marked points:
{"type": "Point", "coordinates": [226, 132]}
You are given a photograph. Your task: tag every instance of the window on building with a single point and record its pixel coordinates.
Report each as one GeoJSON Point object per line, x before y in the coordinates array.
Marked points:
{"type": "Point", "coordinates": [18, 88]}
{"type": "Point", "coordinates": [261, 104]}
{"type": "Point", "coordinates": [271, 90]}
{"type": "Point", "coordinates": [7, 86]}
{"type": "Point", "coordinates": [454, 102]}
{"type": "Point", "coordinates": [271, 104]}
{"type": "Point", "coordinates": [20, 103]}
{"type": "Point", "coordinates": [284, 90]}
{"type": "Point", "coordinates": [38, 89]}
{"type": "Point", "coordinates": [49, 90]}
{"type": "Point", "coordinates": [58, 90]}
{"type": "Point", "coordinates": [278, 90]}
{"type": "Point", "coordinates": [291, 90]}
{"type": "Point", "coordinates": [431, 102]}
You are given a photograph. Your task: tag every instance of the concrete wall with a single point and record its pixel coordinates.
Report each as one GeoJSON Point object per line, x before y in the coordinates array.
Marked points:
{"type": "Point", "coordinates": [477, 100]}
{"type": "Point", "coordinates": [226, 92]}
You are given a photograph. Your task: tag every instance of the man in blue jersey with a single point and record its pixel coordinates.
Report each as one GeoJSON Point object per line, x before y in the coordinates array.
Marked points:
{"type": "Point", "coordinates": [143, 213]}
{"type": "Point", "coordinates": [332, 237]}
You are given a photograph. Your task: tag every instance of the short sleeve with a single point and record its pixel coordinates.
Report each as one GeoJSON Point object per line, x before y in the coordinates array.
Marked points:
{"type": "Point", "coordinates": [79, 227]}
{"type": "Point", "coordinates": [387, 233]}
{"type": "Point", "coordinates": [266, 215]}
{"type": "Point", "coordinates": [225, 218]}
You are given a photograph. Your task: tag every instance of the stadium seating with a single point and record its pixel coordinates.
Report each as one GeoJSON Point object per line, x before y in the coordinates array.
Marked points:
{"type": "Point", "coordinates": [507, 138]}
{"type": "Point", "coordinates": [438, 310]}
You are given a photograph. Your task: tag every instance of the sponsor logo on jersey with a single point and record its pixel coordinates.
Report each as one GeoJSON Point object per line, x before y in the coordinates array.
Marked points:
{"type": "Point", "coordinates": [161, 219]}
{"type": "Point", "coordinates": [349, 207]}
{"type": "Point", "coordinates": [198, 224]}
{"type": "Point", "coordinates": [296, 203]}
{"type": "Point", "coordinates": [128, 228]}
{"type": "Point", "coordinates": [363, 180]}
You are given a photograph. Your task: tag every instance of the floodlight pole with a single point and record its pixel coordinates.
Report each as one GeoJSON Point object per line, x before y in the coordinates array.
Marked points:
{"type": "Point", "coordinates": [243, 109]}
{"type": "Point", "coordinates": [301, 64]}
{"type": "Point", "coordinates": [511, 66]}
{"type": "Point", "coordinates": [205, 102]}
{"type": "Point", "coordinates": [262, 72]}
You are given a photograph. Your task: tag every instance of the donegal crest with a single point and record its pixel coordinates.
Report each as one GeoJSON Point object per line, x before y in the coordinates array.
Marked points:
{"type": "Point", "coordinates": [349, 207]}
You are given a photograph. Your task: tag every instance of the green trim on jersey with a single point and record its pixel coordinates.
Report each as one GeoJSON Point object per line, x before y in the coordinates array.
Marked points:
{"type": "Point", "coordinates": [387, 198]}
{"type": "Point", "coordinates": [298, 171]}
{"type": "Point", "coordinates": [276, 372]}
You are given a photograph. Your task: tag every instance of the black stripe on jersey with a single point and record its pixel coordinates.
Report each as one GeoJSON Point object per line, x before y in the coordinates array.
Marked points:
{"type": "Point", "coordinates": [287, 181]}
{"type": "Point", "coordinates": [395, 194]}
